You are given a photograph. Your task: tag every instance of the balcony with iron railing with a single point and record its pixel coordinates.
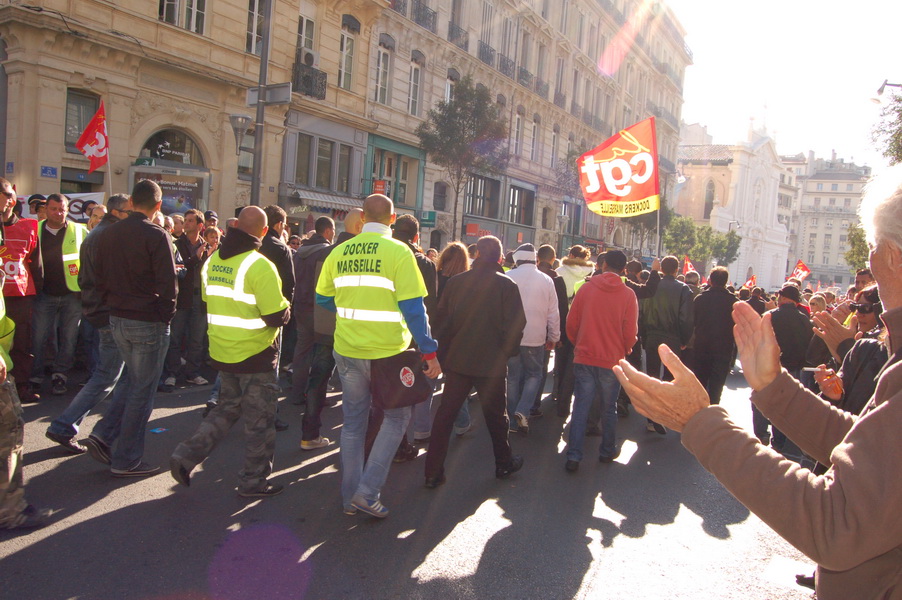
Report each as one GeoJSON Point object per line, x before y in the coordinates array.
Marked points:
{"type": "Point", "coordinates": [542, 88]}
{"type": "Point", "coordinates": [458, 36]}
{"type": "Point", "coordinates": [308, 81]}
{"type": "Point", "coordinates": [399, 6]}
{"type": "Point", "coordinates": [506, 65]}
{"type": "Point", "coordinates": [525, 78]}
{"type": "Point", "coordinates": [560, 100]}
{"type": "Point", "coordinates": [588, 117]}
{"type": "Point", "coordinates": [486, 53]}
{"type": "Point", "coordinates": [422, 15]}
{"type": "Point", "coordinates": [575, 109]}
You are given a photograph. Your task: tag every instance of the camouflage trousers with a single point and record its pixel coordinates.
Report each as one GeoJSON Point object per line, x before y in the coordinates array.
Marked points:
{"type": "Point", "coordinates": [254, 396]}
{"type": "Point", "coordinates": [12, 434]}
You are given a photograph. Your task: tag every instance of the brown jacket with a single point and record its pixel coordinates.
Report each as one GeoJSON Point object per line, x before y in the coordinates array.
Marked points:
{"type": "Point", "coordinates": [848, 520]}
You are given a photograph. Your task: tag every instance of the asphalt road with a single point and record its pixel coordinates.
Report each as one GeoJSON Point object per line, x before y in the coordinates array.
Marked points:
{"type": "Point", "coordinates": [652, 525]}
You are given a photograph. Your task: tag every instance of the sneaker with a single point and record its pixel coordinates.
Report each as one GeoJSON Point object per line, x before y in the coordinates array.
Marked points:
{"type": "Point", "coordinates": [522, 423]}
{"type": "Point", "coordinates": [571, 466]}
{"type": "Point", "coordinates": [349, 509]}
{"type": "Point", "coordinates": [142, 469]}
{"type": "Point", "coordinates": [535, 413]}
{"type": "Point", "coordinates": [168, 385]}
{"type": "Point", "coordinates": [34, 518]}
{"type": "Point", "coordinates": [67, 442]}
{"type": "Point", "coordinates": [179, 472]}
{"type": "Point", "coordinates": [370, 507]}
{"type": "Point", "coordinates": [320, 442]}
{"type": "Point", "coordinates": [513, 466]}
{"type": "Point", "coordinates": [58, 383]}
{"type": "Point", "coordinates": [98, 449]}
{"type": "Point", "coordinates": [196, 380]}
{"type": "Point", "coordinates": [270, 489]}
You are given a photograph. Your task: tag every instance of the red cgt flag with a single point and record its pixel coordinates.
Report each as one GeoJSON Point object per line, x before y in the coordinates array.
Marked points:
{"type": "Point", "coordinates": [752, 282]}
{"type": "Point", "coordinates": [94, 142]}
{"type": "Point", "coordinates": [801, 271]}
{"type": "Point", "coordinates": [619, 178]}
{"type": "Point", "coordinates": [687, 266]}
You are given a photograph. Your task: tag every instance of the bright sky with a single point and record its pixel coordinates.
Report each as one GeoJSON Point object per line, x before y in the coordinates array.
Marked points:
{"type": "Point", "coordinates": [806, 68]}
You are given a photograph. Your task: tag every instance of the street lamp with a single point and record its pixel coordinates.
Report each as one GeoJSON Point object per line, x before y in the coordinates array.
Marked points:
{"type": "Point", "coordinates": [239, 124]}
{"type": "Point", "coordinates": [883, 87]}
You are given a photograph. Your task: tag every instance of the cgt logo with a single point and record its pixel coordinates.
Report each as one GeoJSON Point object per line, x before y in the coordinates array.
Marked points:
{"type": "Point", "coordinates": [618, 173]}
{"type": "Point", "coordinates": [407, 377]}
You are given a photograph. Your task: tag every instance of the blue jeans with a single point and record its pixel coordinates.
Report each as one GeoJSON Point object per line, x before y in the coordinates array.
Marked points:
{"type": "Point", "coordinates": [48, 312]}
{"type": "Point", "coordinates": [358, 476]}
{"type": "Point", "coordinates": [422, 415]}
{"type": "Point", "coordinates": [106, 377]}
{"type": "Point", "coordinates": [143, 345]}
{"type": "Point", "coordinates": [586, 381]}
{"type": "Point", "coordinates": [524, 376]}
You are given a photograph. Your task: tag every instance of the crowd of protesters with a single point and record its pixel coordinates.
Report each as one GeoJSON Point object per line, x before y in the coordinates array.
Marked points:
{"type": "Point", "coordinates": [155, 299]}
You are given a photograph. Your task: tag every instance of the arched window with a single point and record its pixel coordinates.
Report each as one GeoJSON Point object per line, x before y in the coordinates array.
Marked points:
{"type": "Point", "coordinates": [709, 198]}
{"type": "Point", "coordinates": [174, 146]}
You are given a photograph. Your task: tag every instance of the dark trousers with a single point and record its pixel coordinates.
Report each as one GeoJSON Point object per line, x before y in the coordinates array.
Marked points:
{"type": "Point", "coordinates": [653, 366]}
{"type": "Point", "coordinates": [712, 370]}
{"type": "Point", "coordinates": [303, 356]}
{"type": "Point", "coordinates": [18, 308]}
{"type": "Point", "coordinates": [491, 393]}
{"type": "Point", "coordinates": [563, 377]}
{"type": "Point", "coordinates": [322, 364]}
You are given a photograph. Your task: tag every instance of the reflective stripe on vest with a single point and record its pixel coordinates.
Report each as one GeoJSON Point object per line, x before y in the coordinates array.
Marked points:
{"type": "Point", "coordinates": [237, 292]}
{"type": "Point", "coordinates": [374, 316]}
{"type": "Point", "coordinates": [364, 281]}
{"type": "Point", "coordinates": [236, 322]}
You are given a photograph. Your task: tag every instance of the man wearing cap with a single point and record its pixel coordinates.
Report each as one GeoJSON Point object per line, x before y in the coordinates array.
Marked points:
{"type": "Point", "coordinates": [793, 330]}
{"type": "Point", "coordinates": [37, 204]}
{"type": "Point", "coordinates": [543, 330]}
{"type": "Point", "coordinates": [211, 219]}
{"type": "Point", "coordinates": [58, 298]}
{"type": "Point", "coordinates": [20, 258]}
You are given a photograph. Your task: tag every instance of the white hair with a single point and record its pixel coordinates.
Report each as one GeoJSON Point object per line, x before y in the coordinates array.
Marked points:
{"type": "Point", "coordinates": [881, 207]}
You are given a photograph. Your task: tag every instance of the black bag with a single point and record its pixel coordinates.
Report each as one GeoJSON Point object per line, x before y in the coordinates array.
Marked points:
{"type": "Point", "coordinates": [399, 380]}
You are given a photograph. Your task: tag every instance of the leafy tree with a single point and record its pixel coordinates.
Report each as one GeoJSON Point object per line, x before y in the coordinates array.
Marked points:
{"type": "Point", "coordinates": [463, 135]}
{"type": "Point", "coordinates": [857, 254]}
{"type": "Point", "coordinates": [725, 247]}
{"type": "Point", "coordinates": [680, 236]}
{"type": "Point", "coordinates": [888, 131]}
{"type": "Point", "coordinates": [647, 224]}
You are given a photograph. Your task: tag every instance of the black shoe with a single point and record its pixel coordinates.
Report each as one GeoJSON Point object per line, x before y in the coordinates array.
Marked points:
{"type": "Point", "coordinates": [34, 518]}
{"type": "Point", "coordinates": [406, 452]}
{"type": "Point", "coordinates": [422, 441]}
{"type": "Point", "coordinates": [571, 466]}
{"type": "Point", "coordinates": [211, 404]}
{"type": "Point", "coordinates": [281, 425]}
{"type": "Point", "coordinates": [434, 482]}
{"type": "Point", "coordinates": [270, 489]}
{"type": "Point", "coordinates": [98, 449]}
{"type": "Point", "coordinates": [30, 393]}
{"type": "Point", "coordinates": [805, 580]}
{"type": "Point", "coordinates": [513, 466]}
{"type": "Point", "coordinates": [179, 472]}
{"type": "Point", "coordinates": [67, 442]}
{"type": "Point", "coordinates": [58, 383]}
{"type": "Point", "coordinates": [610, 459]}
{"type": "Point", "coordinates": [651, 426]}
{"type": "Point", "coordinates": [142, 469]}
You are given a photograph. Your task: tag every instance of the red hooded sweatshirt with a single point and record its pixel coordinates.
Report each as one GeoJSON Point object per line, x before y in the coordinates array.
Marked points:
{"type": "Point", "coordinates": [603, 321]}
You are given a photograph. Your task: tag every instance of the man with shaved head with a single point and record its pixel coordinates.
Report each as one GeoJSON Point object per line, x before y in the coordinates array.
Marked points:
{"type": "Point", "coordinates": [373, 284]}
{"type": "Point", "coordinates": [245, 309]}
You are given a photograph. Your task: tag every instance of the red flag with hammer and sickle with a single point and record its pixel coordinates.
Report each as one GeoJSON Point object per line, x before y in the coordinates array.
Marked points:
{"type": "Point", "coordinates": [94, 142]}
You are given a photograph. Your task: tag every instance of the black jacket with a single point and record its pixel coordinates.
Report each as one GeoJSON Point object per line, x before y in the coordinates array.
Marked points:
{"type": "Point", "coordinates": [305, 273]}
{"type": "Point", "coordinates": [793, 331]}
{"type": "Point", "coordinates": [92, 307]}
{"type": "Point", "coordinates": [279, 254]}
{"type": "Point", "coordinates": [189, 282]}
{"type": "Point", "coordinates": [324, 319]}
{"type": "Point", "coordinates": [135, 270]}
{"type": "Point", "coordinates": [713, 311]}
{"type": "Point", "coordinates": [560, 288]}
{"type": "Point", "coordinates": [480, 321]}
{"type": "Point", "coordinates": [668, 314]}
{"type": "Point", "coordinates": [427, 270]}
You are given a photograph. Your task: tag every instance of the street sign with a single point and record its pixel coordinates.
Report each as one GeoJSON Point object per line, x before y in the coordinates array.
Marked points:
{"type": "Point", "coordinates": [49, 172]}
{"type": "Point", "coordinates": [276, 93]}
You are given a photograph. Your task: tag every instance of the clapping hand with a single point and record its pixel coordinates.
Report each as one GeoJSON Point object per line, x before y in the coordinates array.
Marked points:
{"type": "Point", "coordinates": [833, 332]}
{"type": "Point", "coordinates": [670, 403]}
{"type": "Point", "coordinates": [758, 349]}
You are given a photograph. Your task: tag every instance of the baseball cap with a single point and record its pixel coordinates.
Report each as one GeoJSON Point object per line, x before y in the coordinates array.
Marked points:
{"type": "Point", "coordinates": [37, 198]}
{"type": "Point", "coordinates": [210, 214]}
{"type": "Point", "coordinates": [792, 292]}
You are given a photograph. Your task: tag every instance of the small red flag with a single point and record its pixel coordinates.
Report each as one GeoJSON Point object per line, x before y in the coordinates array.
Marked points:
{"type": "Point", "coordinates": [94, 142]}
{"type": "Point", "coordinates": [801, 271]}
{"type": "Point", "coordinates": [687, 266]}
{"type": "Point", "coordinates": [752, 282]}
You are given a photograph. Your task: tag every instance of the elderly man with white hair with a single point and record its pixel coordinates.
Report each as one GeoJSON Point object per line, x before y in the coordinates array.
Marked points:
{"type": "Point", "coordinates": [848, 520]}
